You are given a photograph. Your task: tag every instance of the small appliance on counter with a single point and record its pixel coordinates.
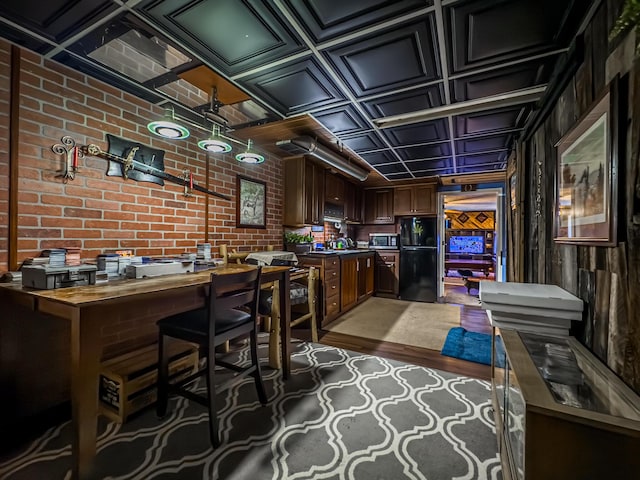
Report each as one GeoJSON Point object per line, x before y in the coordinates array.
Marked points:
{"type": "Point", "coordinates": [382, 241]}
{"type": "Point", "coordinates": [47, 277]}
{"type": "Point", "coordinates": [362, 245]}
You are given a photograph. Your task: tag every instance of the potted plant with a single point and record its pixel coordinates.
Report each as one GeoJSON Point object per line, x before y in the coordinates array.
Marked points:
{"type": "Point", "coordinates": [297, 243]}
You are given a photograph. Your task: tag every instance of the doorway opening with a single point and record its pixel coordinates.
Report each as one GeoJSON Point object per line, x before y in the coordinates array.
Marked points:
{"type": "Point", "coordinates": [471, 233]}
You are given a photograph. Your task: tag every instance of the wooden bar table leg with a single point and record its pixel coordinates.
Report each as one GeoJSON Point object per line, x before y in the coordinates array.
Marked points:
{"type": "Point", "coordinates": [85, 368]}
{"type": "Point", "coordinates": [285, 323]}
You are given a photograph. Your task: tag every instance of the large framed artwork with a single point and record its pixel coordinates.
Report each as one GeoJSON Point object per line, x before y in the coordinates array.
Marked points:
{"type": "Point", "coordinates": [251, 203]}
{"type": "Point", "coordinates": [587, 178]}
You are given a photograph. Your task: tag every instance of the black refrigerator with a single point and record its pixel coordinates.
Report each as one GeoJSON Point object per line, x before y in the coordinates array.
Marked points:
{"type": "Point", "coordinates": [419, 259]}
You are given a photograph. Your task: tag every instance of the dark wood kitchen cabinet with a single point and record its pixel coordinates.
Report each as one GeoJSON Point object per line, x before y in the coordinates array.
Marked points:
{"type": "Point", "coordinates": [352, 203]}
{"type": "Point", "coordinates": [334, 188]}
{"type": "Point", "coordinates": [378, 206]}
{"type": "Point", "coordinates": [415, 200]}
{"type": "Point", "coordinates": [303, 193]}
{"type": "Point", "coordinates": [357, 272]}
{"type": "Point", "coordinates": [349, 277]}
{"type": "Point", "coordinates": [366, 275]}
{"type": "Point", "coordinates": [386, 273]}
{"type": "Point", "coordinates": [330, 285]}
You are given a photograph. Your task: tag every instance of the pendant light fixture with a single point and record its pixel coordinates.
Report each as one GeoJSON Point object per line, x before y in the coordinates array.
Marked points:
{"type": "Point", "coordinates": [215, 143]}
{"type": "Point", "coordinates": [168, 127]}
{"type": "Point", "coordinates": [248, 156]}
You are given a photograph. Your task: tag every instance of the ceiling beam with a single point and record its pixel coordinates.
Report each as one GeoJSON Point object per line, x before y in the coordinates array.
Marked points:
{"type": "Point", "coordinates": [517, 97]}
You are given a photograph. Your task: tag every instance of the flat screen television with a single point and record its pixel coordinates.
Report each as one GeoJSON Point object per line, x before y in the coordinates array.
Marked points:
{"type": "Point", "coordinates": [466, 244]}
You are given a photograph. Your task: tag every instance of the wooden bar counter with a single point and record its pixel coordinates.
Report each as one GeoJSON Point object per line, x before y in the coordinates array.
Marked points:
{"type": "Point", "coordinates": [88, 309]}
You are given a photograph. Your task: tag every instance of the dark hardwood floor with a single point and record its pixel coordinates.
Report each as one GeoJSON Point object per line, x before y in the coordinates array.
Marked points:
{"type": "Point", "coordinates": [472, 318]}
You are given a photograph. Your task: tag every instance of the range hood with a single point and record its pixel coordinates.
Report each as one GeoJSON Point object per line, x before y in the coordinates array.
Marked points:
{"type": "Point", "coordinates": [333, 213]}
{"type": "Point", "coordinates": [306, 145]}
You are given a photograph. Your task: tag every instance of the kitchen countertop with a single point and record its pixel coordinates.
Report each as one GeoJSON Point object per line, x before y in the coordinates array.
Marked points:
{"type": "Point", "coordinates": [351, 251]}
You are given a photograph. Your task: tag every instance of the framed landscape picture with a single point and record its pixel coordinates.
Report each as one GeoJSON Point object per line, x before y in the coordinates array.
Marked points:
{"type": "Point", "coordinates": [586, 193]}
{"type": "Point", "coordinates": [251, 203]}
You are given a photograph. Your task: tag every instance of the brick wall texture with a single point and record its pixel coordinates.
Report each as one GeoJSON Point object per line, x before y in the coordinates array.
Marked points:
{"type": "Point", "coordinates": [99, 213]}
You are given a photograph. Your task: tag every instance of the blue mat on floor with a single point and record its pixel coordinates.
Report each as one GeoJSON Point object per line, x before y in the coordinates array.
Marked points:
{"type": "Point", "coordinates": [471, 346]}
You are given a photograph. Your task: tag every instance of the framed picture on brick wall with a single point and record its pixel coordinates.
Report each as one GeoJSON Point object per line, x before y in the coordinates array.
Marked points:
{"type": "Point", "coordinates": [251, 203]}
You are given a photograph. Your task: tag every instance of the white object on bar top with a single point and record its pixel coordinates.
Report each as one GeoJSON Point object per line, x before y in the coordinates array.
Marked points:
{"type": "Point", "coordinates": [535, 295]}
{"type": "Point", "coordinates": [266, 257]}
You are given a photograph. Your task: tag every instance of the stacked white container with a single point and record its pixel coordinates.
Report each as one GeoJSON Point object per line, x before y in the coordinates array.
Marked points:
{"type": "Point", "coordinates": [530, 307]}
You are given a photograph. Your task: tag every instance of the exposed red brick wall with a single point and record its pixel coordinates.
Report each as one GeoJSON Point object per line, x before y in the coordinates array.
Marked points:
{"type": "Point", "coordinates": [5, 69]}
{"type": "Point", "coordinates": [98, 213]}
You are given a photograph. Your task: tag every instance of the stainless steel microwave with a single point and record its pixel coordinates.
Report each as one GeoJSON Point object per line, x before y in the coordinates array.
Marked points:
{"type": "Point", "coordinates": [383, 240]}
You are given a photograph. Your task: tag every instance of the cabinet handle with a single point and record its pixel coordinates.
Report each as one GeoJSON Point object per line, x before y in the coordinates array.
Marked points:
{"type": "Point", "coordinates": [333, 287]}
{"type": "Point", "coordinates": [334, 273]}
{"type": "Point", "coordinates": [334, 304]}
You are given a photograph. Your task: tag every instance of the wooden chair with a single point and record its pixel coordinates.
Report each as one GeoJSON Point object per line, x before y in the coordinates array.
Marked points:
{"type": "Point", "coordinates": [231, 312]}
{"type": "Point", "coordinates": [303, 307]}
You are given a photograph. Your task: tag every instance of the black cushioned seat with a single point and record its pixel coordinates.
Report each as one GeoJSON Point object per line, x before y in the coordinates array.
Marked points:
{"type": "Point", "coordinates": [196, 322]}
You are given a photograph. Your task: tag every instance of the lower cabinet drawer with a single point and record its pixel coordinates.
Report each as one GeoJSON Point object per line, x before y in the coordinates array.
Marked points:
{"type": "Point", "coordinates": [332, 287]}
{"type": "Point", "coordinates": [332, 304]}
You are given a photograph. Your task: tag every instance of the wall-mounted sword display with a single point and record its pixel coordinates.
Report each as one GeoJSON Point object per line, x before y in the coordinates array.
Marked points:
{"type": "Point", "coordinates": [70, 153]}
{"type": "Point", "coordinates": [129, 167]}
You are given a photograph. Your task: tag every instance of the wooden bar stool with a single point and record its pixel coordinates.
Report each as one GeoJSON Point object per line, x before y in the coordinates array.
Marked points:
{"type": "Point", "coordinates": [303, 297]}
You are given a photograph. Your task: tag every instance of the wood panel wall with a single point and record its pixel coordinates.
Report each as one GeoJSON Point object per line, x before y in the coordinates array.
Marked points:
{"type": "Point", "coordinates": [606, 278]}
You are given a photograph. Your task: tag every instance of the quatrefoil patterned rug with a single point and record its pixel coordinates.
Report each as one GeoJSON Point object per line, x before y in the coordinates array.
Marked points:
{"type": "Point", "coordinates": [342, 415]}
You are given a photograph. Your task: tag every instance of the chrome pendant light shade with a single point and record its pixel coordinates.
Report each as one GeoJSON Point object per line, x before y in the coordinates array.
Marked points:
{"type": "Point", "coordinates": [248, 156]}
{"type": "Point", "coordinates": [168, 127]}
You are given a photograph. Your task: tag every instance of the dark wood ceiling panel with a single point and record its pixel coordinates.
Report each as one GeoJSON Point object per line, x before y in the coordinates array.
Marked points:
{"type": "Point", "coordinates": [234, 35]}
{"type": "Point", "coordinates": [419, 99]}
{"type": "Point", "coordinates": [348, 63]}
{"type": "Point", "coordinates": [425, 151]}
{"type": "Point", "coordinates": [422, 165]}
{"type": "Point", "coordinates": [342, 120]}
{"type": "Point", "coordinates": [501, 80]}
{"type": "Point", "coordinates": [425, 132]}
{"type": "Point", "coordinates": [399, 176]}
{"type": "Point", "coordinates": [482, 144]}
{"type": "Point", "coordinates": [484, 32]}
{"type": "Point", "coordinates": [484, 159]}
{"type": "Point", "coordinates": [377, 158]}
{"type": "Point", "coordinates": [363, 142]}
{"type": "Point", "coordinates": [401, 57]}
{"type": "Point", "coordinates": [391, 168]}
{"type": "Point", "coordinates": [295, 87]}
{"type": "Point", "coordinates": [325, 20]}
{"type": "Point", "coordinates": [488, 121]}
{"type": "Point", "coordinates": [481, 168]}
{"type": "Point", "coordinates": [56, 20]}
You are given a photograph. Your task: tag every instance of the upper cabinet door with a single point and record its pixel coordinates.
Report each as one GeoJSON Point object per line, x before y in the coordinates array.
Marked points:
{"type": "Point", "coordinates": [424, 199]}
{"type": "Point", "coordinates": [378, 206]}
{"type": "Point", "coordinates": [334, 188]}
{"type": "Point", "coordinates": [414, 200]}
{"type": "Point", "coordinates": [303, 193]}
{"type": "Point", "coordinates": [403, 201]}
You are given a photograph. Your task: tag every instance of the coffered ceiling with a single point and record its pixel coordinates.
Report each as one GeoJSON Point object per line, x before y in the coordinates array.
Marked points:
{"type": "Point", "coordinates": [409, 88]}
